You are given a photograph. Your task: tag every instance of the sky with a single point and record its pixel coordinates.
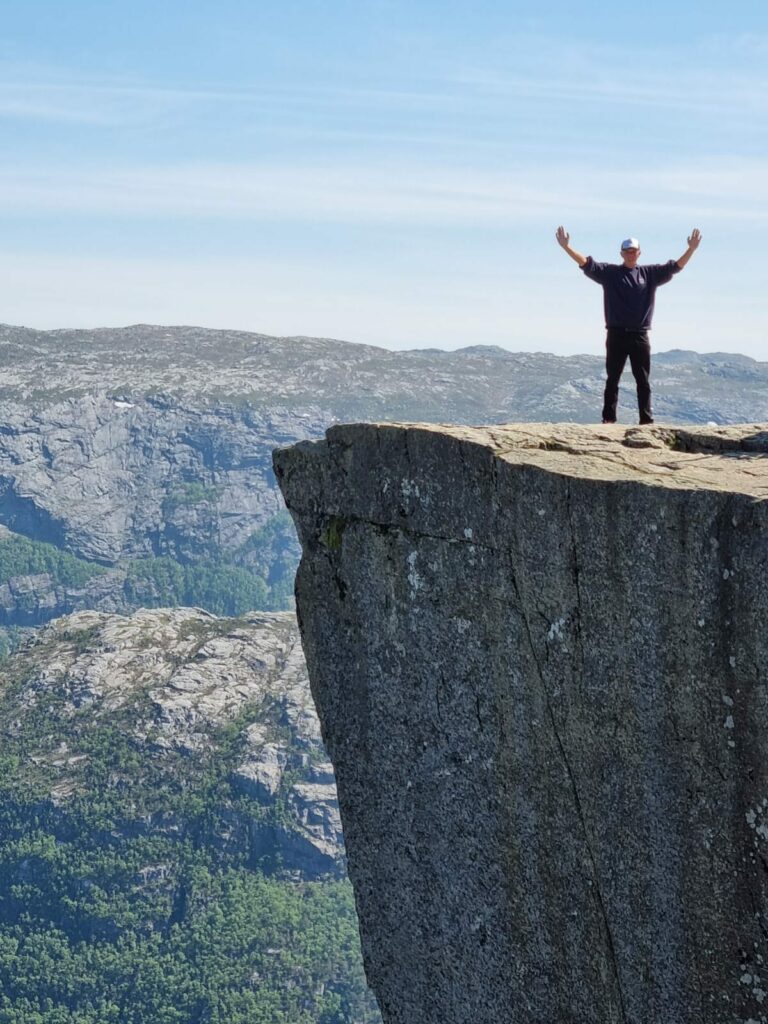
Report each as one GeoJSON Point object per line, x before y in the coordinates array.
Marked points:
{"type": "Point", "coordinates": [382, 171]}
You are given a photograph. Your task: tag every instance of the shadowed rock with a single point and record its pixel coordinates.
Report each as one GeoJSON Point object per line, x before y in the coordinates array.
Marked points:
{"type": "Point", "coordinates": [539, 658]}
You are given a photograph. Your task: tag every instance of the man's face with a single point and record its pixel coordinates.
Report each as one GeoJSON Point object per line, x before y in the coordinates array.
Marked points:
{"type": "Point", "coordinates": [630, 257]}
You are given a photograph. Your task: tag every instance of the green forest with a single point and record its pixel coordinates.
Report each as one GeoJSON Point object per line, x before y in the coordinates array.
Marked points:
{"type": "Point", "coordinates": [256, 577]}
{"type": "Point", "coordinates": [20, 556]}
{"type": "Point", "coordinates": [237, 947]}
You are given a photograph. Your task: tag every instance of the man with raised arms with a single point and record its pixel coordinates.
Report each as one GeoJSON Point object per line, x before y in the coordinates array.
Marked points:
{"type": "Point", "coordinates": [629, 291]}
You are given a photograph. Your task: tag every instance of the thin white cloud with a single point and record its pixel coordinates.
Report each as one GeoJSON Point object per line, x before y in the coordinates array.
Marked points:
{"type": "Point", "coordinates": [48, 95]}
{"type": "Point", "coordinates": [283, 192]}
{"type": "Point", "coordinates": [397, 194]}
{"type": "Point", "coordinates": [715, 74]}
{"type": "Point", "coordinates": [595, 76]}
{"type": "Point", "coordinates": [739, 45]}
{"type": "Point", "coordinates": [105, 103]}
{"type": "Point", "coordinates": [692, 91]}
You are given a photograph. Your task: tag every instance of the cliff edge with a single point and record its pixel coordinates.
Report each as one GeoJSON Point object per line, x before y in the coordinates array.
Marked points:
{"type": "Point", "coordinates": [539, 655]}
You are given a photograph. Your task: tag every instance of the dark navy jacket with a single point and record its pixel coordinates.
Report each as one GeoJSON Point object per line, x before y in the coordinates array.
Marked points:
{"type": "Point", "coordinates": [628, 295]}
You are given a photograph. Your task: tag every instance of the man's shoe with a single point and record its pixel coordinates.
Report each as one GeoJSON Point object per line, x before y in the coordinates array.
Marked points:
{"type": "Point", "coordinates": [644, 423]}
{"type": "Point", "coordinates": [611, 421]}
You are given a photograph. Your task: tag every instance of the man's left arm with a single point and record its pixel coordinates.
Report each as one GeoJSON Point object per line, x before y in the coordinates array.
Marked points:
{"type": "Point", "coordinates": [693, 245]}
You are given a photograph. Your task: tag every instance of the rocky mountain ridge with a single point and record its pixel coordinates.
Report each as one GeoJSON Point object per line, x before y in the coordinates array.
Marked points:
{"type": "Point", "coordinates": [477, 384]}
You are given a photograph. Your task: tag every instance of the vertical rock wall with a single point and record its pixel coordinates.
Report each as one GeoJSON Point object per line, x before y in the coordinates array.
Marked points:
{"type": "Point", "coordinates": [539, 656]}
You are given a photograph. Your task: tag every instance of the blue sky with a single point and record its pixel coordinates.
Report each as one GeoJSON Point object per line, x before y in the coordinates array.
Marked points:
{"type": "Point", "coordinates": [381, 171]}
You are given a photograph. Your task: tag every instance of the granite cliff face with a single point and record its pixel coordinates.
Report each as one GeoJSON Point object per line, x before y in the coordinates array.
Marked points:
{"type": "Point", "coordinates": [107, 479]}
{"type": "Point", "coordinates": [111, 482]}
{"type": "Point", "coordinates": [540, 659]}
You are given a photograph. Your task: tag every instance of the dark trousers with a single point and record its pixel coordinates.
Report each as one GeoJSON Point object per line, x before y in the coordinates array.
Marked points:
{"type": "Point", "coordinates": [621, 345]}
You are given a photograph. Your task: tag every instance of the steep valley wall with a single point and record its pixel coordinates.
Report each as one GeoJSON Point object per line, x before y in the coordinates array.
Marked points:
{"type": "Point", "coordinates": [539, 657]}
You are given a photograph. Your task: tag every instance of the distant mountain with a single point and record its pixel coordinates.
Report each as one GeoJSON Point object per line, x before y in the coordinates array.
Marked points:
{"type": "Point", "coordinates": [478, 384]}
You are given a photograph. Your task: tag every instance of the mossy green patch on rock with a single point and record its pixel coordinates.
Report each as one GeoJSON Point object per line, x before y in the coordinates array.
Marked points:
{"type": "Point", "coordinates": [331, 536]}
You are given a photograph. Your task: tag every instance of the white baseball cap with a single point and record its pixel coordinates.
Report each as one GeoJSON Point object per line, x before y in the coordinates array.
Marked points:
{"type": "Point", "coordinates": [630, 243]}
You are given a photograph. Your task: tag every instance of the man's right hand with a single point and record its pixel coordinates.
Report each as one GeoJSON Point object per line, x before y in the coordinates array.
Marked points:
{"type": "Point", "coordinates": [563, 240]}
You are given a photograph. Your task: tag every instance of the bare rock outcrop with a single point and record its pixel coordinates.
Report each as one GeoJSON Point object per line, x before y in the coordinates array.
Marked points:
{"type": "Point", "coordinates": [540, 659]}
{"type": "Point", "coordinates": [185, 691]}
{"type": "Point", "coordinates": [107, 480]}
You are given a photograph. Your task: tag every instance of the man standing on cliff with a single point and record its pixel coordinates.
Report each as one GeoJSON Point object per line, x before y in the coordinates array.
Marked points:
{"type": "Point", "coordinates": [629, 291]}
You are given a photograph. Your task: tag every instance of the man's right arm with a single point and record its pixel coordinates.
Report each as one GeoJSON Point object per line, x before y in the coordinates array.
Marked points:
{"type": "Point", "coordinates": [563, 240]}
